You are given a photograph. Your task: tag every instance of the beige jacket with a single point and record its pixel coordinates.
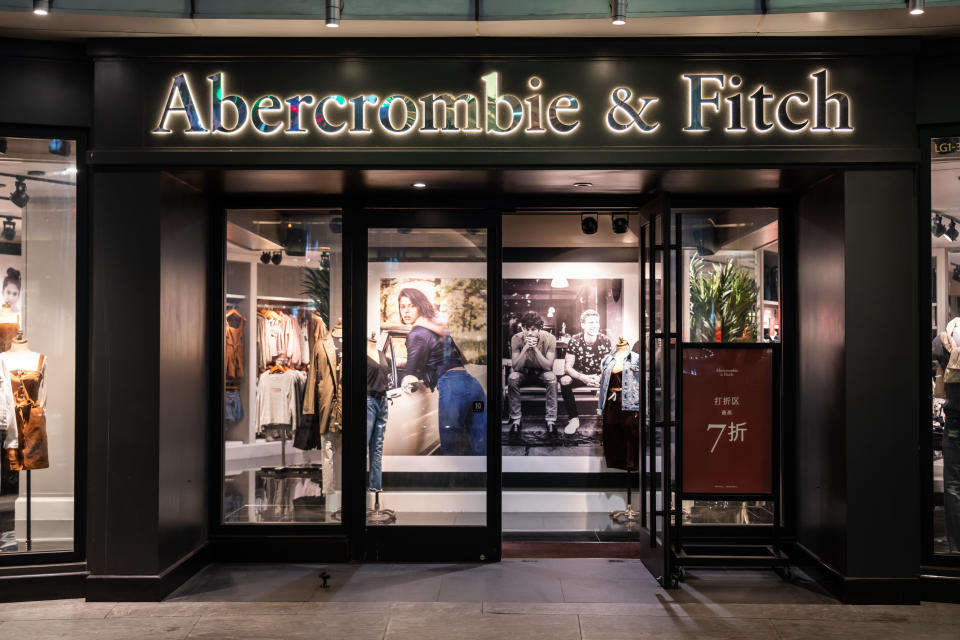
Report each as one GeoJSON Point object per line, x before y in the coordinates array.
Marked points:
{"type": "Point", "coordinates": [322, 396]}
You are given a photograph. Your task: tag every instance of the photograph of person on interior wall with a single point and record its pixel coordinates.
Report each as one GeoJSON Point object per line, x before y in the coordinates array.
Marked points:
{"type": "Point", "coordinates": [581, 367]}
{"type": "Point", "coordinates": [435, 360]}
{"type": "Point", "coordinates": [532, 354]}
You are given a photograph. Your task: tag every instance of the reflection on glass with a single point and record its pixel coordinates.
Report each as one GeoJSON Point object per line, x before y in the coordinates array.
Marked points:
{"type": "Point", "coordinates": [731, 272]}
{"type": "Point", "coordinates": [426, 410]}
{"type": "Point", "coordinates": [283, 346]}
{"type": "Point", "coordinates": [37, 337]}
{"type": "Point", "coordinates": [945, 334]}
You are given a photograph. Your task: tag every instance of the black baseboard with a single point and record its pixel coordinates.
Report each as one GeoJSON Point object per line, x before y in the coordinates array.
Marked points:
{"type": "Point", "coordinates": [940, 585]}
{"type": "Point", "coordinates": [854, 590]}
{"type": "Point", "coordinates": [47, 583]}
{"type": "Point", "coordinates": [146, 588]}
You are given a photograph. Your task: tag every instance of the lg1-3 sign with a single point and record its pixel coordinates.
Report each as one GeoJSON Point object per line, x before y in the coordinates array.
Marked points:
{"type": "Point", "coordinates": [727, 425]}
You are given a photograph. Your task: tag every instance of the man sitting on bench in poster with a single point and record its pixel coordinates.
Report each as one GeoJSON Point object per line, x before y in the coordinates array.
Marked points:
{"type": "Point", "coordinates": [582, 364]}
{"type": "Point", "coordinates": [532, 352]}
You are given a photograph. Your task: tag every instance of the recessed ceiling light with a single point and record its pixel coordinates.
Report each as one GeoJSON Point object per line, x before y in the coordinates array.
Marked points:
{"type": "Point", "coordinates": [583, 184]}
{"type": "Point", "coordinates": [41, 7]}
{"type": "Point", "coordinates": [419, 185]}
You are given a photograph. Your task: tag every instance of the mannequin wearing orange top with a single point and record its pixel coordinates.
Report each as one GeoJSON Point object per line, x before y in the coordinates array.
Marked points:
{"type": "Point", "coordinates": [24, 395]}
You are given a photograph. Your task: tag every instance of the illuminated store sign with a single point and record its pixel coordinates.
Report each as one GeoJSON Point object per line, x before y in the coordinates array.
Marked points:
{"type": "Point", "coordinates": [714, 101]}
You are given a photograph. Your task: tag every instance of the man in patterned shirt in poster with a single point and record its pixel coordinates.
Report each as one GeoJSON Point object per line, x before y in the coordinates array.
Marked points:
{"type": "Point", "coordinates": [585, 352]}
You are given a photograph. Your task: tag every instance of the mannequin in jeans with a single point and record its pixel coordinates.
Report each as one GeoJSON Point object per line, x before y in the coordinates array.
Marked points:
{"type": "Point", "coordinates": [943, 346]}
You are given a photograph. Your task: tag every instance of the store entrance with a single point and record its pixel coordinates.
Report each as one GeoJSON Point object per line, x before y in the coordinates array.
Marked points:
{"type": "Point", "coordinates": [498, 360]}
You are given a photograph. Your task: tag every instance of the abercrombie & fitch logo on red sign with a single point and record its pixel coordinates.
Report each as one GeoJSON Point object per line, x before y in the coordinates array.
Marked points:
{"type": "Point", "coordinates": [714, 101]}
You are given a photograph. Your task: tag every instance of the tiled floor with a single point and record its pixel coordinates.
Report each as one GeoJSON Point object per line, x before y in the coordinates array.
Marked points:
{"type": "Point", "coordinates": [576, 599]}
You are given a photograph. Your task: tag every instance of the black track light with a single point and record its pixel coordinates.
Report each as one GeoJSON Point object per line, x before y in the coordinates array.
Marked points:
{"type": "Point", "coordinates": [618, 12]}
{"type": "Point", "coordinates": [334, 7]}
{"type": "Point", "coordinates": [19, 196]}
{"type": "Point", "coordinates": [9, 231]}
{"type": "Point", "coordinates": [265, 257]}
{"type": "Point", "coordinates": [915, 7]}
{"type": "Point", "coordinates": [589, 225]}
{"type": "Point", "coordinates": [953, 232]}
{"type": "Point", "coordinates": [277, 257]}
{"type": "Point", "coordinates": [938, 228]}
{"type": "Point", "coordinates": [3, 145]}
{"type": "Point", "coordinates": [620, 223]}
{"type": "Point", "coordinates": [41, 7]}
{"type": "Point", "coordinates": [336, 225]}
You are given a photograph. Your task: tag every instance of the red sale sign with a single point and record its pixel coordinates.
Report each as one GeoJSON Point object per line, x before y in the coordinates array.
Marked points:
{"type": "Point", "coordinates": [727, 425]}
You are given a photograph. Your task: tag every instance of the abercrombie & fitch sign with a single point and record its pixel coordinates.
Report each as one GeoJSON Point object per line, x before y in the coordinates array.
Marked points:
{"type": "Point", "coordinates": [714, 102]}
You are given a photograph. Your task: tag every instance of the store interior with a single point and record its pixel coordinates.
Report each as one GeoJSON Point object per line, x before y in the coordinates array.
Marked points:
{"type": "Point", "coordinates": [570, 254]}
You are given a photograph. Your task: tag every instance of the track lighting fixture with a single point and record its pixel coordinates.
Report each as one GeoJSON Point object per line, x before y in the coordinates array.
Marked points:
{"type": "Point", "coordinates": [956, 273]}
{"type": "Point", "coordinates": [277, 257]}
{"type": "Point", "coordinates": [589, 225]}
{"type": "Point", "coordinates": [618, 12]}
{"type": "Point", "coordinates": [336, 225]}
{"type": "Point", "coordinates": [938, 228]}
{"type": "Point", "coordinates": [265, 257]}
{"type": "Point", "coordinates": [953, 232]}
{"type": "Point", "coordinates": [333, 13]}
{"type": "Point", "coordinates": [9, 229]}
{"type": "Point", "coordinates": [3, 145]}
{"type": "Point", "coordinates": [620, 223]}
{"type": "Point", "coordinates": [19, 196]}
{"type": "Point", "coordinates": [41, 7]}
{"type": "Point", "coordinates": [916, 7]}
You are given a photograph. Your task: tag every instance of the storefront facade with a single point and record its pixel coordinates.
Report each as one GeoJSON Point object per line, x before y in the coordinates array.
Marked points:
{"type": "Point", "coordinates": [227, 181]}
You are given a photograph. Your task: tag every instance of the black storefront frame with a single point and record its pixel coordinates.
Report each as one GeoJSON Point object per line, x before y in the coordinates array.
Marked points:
{"type": "Point", "coordinates": [61, 573]}
{"type": "Point", "coordinates": [938, 571]}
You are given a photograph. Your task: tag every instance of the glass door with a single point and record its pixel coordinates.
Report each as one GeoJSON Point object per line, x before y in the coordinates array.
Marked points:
{"type": "Point", "coordinates": [429, 428]}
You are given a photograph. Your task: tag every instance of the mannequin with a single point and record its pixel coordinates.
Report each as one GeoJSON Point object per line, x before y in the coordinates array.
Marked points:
{"type": "Point", "coordinates": [26, 370]}
{"type": "Point", "coordinates": [946, 350]}
{"type": "Point", "coordinates": [621, 418]}
{"type": "Point", "coordinates": [378, 383]}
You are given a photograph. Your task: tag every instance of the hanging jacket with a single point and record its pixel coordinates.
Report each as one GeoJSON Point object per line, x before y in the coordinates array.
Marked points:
{"type": "Point", "coordinates": [322, 395]}
{"type": "Point", "coordinates": [631, 381]}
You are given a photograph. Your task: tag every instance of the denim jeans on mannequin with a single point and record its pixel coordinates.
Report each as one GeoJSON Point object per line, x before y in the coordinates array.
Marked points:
{"type": "Point", "coordinates": [376, 427]}
{"type": "Point", "coordinates": [463, 432]}
{"type": "Point", "coordinates": [951, 480]}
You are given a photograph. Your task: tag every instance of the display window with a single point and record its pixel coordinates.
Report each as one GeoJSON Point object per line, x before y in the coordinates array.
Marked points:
{"type": "Point", "coordinates": [38, 244]}
{"type": "Point", "coordinates": [283, 367]}
{"type": "Point", "coordinates": [569, 325]}
{"type": "Point", "coordinates": [729, 293]}
{"type": "Point", "coordinates": [427, 357]}
{"type": "Point", "coordinates": [944, 333]}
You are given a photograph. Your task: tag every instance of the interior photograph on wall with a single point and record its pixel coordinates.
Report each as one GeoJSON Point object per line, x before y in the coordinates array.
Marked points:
{"type": "Point", "coordinates": [283, 346]}
{"type": "Point", "coordinates": [37, 357]}
{"type": "Point", "coordinates": [427, 359]}
{"type": "Point", "coordinates": [945, 337]}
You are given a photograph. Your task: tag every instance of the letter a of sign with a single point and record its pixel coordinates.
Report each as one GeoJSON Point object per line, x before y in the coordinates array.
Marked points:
{"type": "Point", "coordinates": [188, 107]}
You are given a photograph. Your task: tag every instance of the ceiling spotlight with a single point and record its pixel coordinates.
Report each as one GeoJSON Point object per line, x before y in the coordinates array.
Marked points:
{"type": "Point", "coordinates": [336, 225]}
{"type": "Point", "coordinates": [333, 13]}
{"type": "Point", "coordinates": [419, 185]}
{"type": "Point", "coordinates": [589, 225]}
{"type": "Point", "coordinates": [3, 145]}
{"type": "Point", "coordinates": [938, 228]}
{"type": "Point", "coordinates": [559, 283]}
{"type": "Point", "coordinates": [583, 184]}
{"type": "Point", "coordinates": [620, 223]}
{"type": "Point", "coordinates": [277, 257]}
{"type": "Point", "coordinates": [916, 7]}
{"type": "Point", "coordinates": [9, 229]}
{"type": "Point", "coordinates": [41, 7]}
{"type": "Point", "coordinates": [19, 196]}
{"type": "Point", "coordinates": [265, 257]}
{"type": "Point", "coordinates": [618, 11]}
{"type": "Point", "coordinates": [702, 249]}
{"type": "Point", "coordinates": [953, 232]}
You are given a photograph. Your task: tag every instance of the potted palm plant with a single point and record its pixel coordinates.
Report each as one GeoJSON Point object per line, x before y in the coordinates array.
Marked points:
{"type": "Point", "coordinates": [723, 303]}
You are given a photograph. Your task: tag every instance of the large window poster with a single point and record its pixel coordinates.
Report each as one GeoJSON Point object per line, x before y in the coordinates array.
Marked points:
{"type": "Point", "coordinates": [414, 313]}
{"type": "Point", "coordinates": [556, 332]}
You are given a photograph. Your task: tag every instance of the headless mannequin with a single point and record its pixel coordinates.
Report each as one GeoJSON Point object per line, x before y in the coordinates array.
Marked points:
{"type": "Point", "coordinates": [376, 515]}
{"type": "Point", "coordinates": [628, 515]}
{"type": "Point", "coordinates": [621, 353]}
{"type": "Point", "coordinates": [20, 358]}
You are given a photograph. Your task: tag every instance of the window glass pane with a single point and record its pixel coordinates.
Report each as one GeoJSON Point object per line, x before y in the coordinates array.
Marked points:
{"type": "Point", "coordinates": [945, 308]}
{"type": "Point", "coordinates": [283, 347]}
{"type": "Point", "coordinates": [570, 300]}
{"type": "Point", "coordinates": [731, 274]}
{"type": "Point", "coordinates": [38, 271]}
{"type": "Point", "coordinates": [427, 358]}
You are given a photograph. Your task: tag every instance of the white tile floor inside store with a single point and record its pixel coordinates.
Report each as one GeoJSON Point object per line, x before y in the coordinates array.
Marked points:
{"type": "Point", "coordinates": [575, 599]}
